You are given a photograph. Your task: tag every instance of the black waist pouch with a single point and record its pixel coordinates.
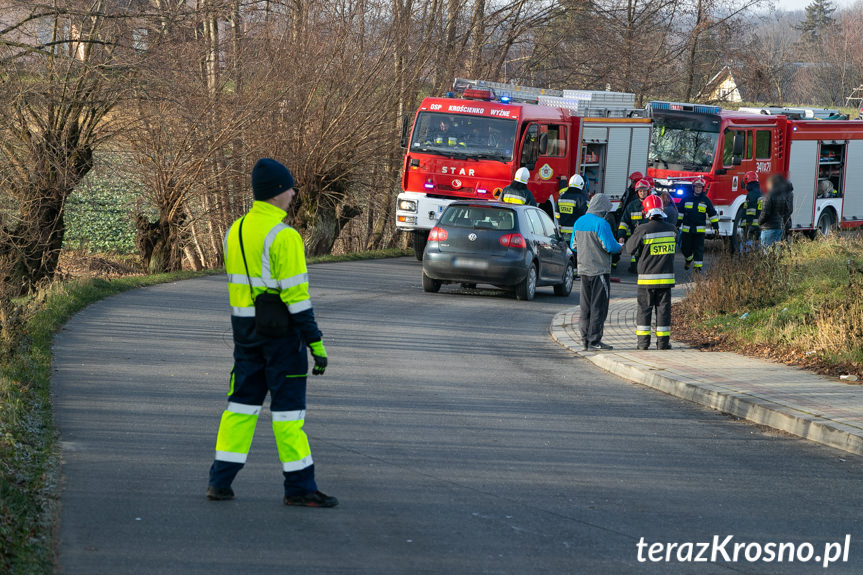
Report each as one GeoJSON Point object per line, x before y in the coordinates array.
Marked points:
{"type": "Point", "coordinates": [272, 318]}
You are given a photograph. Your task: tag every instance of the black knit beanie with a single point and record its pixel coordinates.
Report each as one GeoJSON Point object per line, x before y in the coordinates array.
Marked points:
{"type": "Point", "coordinates": [270, 178]}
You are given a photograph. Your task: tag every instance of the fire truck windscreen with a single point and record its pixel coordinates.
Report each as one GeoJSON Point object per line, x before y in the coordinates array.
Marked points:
{"type": "Point", "coordinates": [683, 141]}
{"type": "Point", "coordinates": [464, 136]}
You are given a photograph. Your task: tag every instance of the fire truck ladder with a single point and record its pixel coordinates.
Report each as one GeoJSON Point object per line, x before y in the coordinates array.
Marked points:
{"type": "Point", "coordinates": [587, 103]}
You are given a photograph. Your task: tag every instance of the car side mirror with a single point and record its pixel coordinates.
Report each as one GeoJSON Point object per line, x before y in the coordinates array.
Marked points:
{"type": "Point", "coordinates": [406, 124]}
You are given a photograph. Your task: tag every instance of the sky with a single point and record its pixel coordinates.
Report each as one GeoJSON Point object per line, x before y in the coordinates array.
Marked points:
{"type": "Point", "coordinates": [790, 5]}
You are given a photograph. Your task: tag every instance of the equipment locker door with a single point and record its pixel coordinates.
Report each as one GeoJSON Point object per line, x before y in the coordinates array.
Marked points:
{"type": "Point", "coordinates": [617, 161]}
{"type": "Point", "coordinates": [803, 175]}
{"type": "Point", "coordinates": [852, 203]}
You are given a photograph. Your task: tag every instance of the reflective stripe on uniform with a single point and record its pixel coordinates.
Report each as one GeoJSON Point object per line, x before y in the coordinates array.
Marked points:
{"type": "Point", "coordinates": [698, 264]}
{"type": "Point", "coordinates": [243, 408]}
{"type": "Point", "coordinates": [660, 238]}
{"type": "Point", "coordinates": [243, 311]}
{"type": "Point", "coordinates": [714, 219]}
{"type": "Point", "coordinates": [296, 415]}
{"type": "Point", "coordinates": [265, 257]}
{"type": "Point", "coordinates": [300, 306]}
{"type": "Point", "coordinates": [297, 465]}
{"type": "Point", "coordinates": [684, 228]}
{"type": "Point", "coordinates": [655, 279]}
{"type": "Point", "coordinates": [642, 330]}
{"type": "Point", "coordinates": [510, 199]}
{"type": "Point", "coordinates": [662, 331]}
{"type": "Point", "coordinates": [231, 457]}
{"type": "Point", "coordinates": [566, 229]}
{"type": "Point", "coordinates": [244, 280]}
{"type": "Point", "coordinates": [700, 229]}
{"type": "Point", "coordinates": [298, 279]}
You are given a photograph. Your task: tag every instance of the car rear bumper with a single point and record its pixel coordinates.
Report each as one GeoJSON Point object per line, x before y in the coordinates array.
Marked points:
{"type": "Point", "coordinates": [506, 270]}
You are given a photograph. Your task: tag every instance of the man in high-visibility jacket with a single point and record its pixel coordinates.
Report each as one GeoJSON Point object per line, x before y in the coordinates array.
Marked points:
{"type": "Point", "coordinates": [694, 214]}
{"type": "Point", "coordinates": [752, 206]}
{"type": "Point", "coordinates": [654, 244]}
{"type": "Point", "coordinates": [571, 205]}
{"type": "Point", "coordinates": [517, 191]}
{"type": "Point", "coordinates": [263, 255]}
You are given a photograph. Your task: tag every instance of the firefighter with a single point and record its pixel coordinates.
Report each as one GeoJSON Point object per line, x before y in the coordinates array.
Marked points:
{"type": "Point", "coordinates": [265, 256]}
{"type": "Point", "coordinates": [571, 205]}
{"type": "Point", "coordinates": [517, 191]}
{"type": "Point", "coordinates": [654, 244]}
{"type": "Point", "coordinates": [693, 218]}
{"type": "Point", "coordinates": [752, 206]}
{"type": "Point", "coordinates": [632, 217]}
{"type": "Point", "coordinates": [629, 194]}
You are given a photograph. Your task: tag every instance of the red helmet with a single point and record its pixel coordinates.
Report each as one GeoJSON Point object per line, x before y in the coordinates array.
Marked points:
{"type": "Point", "coordinates": [699, 182]}
{"type": "Point", "coordinates": [643, 184]}
{"type": "Point", "coordinates": [635, 176]}
{"type": "Point", "coordinates": [750, 177]}
{"type": "Point", "coordinates": [652, 206]}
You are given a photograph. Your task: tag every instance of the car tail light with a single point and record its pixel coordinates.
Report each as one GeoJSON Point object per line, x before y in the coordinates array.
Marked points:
{"type": "Point", "coordinates": [513, 241]}
{"type": "Point", "coordinates": [438, 234]}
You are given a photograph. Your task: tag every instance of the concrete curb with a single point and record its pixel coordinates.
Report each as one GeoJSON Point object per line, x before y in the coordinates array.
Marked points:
{"type": "Point", "coordinates": [636, 366]}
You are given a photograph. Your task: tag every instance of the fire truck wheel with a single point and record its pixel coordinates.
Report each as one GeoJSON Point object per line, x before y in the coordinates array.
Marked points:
{"type": "Point", "coordinates": [736, 240]}
{"type": "Point", "coordinates": [420, 240]}
{"type": "Point", "coordinates": [431, 285]}
{"type": "Point", "coordinates": [826, 223]}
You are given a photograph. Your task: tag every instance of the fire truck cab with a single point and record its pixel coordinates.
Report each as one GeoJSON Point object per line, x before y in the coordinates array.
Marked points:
{"type": "Point", "coordinates": [470, 147]}
{"type": "Point", "coordinates": [821, 156]}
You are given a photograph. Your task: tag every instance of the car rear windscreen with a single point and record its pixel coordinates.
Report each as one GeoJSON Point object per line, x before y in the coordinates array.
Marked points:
{"type": "Point", "coordinates": [479, 217]}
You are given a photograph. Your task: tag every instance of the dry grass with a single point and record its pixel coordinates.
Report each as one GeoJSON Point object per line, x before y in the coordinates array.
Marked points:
{"type": "Point", "coordinates": [802, 304]}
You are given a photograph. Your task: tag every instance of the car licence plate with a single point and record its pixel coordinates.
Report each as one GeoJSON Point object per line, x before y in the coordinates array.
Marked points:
{"type": "Point", "coordinates": [470, 264]}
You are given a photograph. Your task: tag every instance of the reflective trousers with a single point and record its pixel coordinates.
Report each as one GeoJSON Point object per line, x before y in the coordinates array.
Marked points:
{"type": "Point", "coordinates": [278, 366]}
{"type": "Point", "coordinates": [650, 299]}
{"type": "Point", "coordinates": [692, 247]}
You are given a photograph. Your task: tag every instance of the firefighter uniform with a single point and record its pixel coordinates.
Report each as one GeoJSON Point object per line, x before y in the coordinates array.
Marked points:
{"type": "Point", "coordinates": [752, 206]}
{"type": "Point", "coordinates": [571, 205]}
{"type": "Point", "coordinates": [631, 218]}
{"type": "Point", "coordinates": [654, 243]}
{"type": "Point", "coordinates": [694, 215]}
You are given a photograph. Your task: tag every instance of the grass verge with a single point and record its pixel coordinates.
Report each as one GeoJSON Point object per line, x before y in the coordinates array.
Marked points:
{"type": "Point", "coordinates": [29, 459]}
{"type": "Point", "coordinates": [802, 305]}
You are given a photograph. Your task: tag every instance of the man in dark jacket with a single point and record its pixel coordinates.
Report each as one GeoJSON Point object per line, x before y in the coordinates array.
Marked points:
{"type": "Point", "coordinates": [654, 244]}
{"type": "Point", "coordinates": [632, 217]}
{"type": "Point", "coordinates": [752, 206]}
{"type": "Point", "coordinates": [693, 218]}
{"type": "Point", "coordinates": [629, 194]}
{"type": "Point", "coordinates": [571, 205]}
{"type": "Point", "coordinates": [517, 192]}
{"type": "Point", "coordinates": [776, 211]}
{"type": "Point", "coordinates": [593, 239]}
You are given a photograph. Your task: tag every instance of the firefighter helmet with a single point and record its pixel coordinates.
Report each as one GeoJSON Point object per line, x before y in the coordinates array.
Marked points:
{"type": "Point", "coordinates": [643, 184]}
{"type": "Point", "coordinates": [750, 177]}
{"type": "Point", "coordinates": [576, 181]}
{"type": "Point", "coordinates": [636, 176]}
{"type": "Point", "coordinates": [652, 206]}
{"type": "Point", "coordinates": [699, 182]}
{"type": "Point", "coordinates": [522, 175]}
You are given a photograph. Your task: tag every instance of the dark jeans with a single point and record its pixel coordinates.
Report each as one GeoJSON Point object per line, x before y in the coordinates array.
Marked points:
{"type": "Point", "coordinates": [595, 293]}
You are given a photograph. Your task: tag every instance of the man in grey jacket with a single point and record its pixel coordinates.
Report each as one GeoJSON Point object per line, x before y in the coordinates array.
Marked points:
{"type": "Point", "coordinates": [594, 241]}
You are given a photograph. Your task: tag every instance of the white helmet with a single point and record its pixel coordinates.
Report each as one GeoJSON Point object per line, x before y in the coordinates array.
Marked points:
{"type": "Point", "coordinates": [522, 175]}
{"type": "Point", "coordinates": [576, 181]}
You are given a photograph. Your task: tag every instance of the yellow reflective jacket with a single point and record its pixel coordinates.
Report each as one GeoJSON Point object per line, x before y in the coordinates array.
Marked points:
{"type": "Point", "coordinates": [276, 263]}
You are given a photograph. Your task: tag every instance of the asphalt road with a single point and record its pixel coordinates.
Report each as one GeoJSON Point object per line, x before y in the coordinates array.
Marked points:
{"type": "Point", "coordinates": [458, 437]}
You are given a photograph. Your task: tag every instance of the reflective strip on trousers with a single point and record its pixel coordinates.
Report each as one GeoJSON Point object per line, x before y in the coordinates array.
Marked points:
{"type": "Point", "coordinates": [236, 431]}
{"type": "Point", "coordinates": [698, 264]}
{"type": "Point", "coordinates": [298, 465]}
{"type": "Point", "coordinates": [655, 279]}
{"type": "Point", "coordinates": [642, 330]}
{"type": "Point", "coordinates": [663, 331]}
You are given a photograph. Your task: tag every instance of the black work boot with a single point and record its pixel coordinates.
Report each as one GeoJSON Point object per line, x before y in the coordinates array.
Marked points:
{"type": "Point", "coordinates": [643, 342]}
{"type": "Point", "coordinates": [219, 493]}
{"type": "Point", "coordinates": [316, 499]}
{"type": "Point", "coordinates": [663, 345]}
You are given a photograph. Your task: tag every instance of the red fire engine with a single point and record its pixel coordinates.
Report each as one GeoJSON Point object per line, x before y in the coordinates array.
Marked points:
{"type": "Point", "coordinates": [820, 155]}
{"type": "Point", "coordinates": [471, 147]}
